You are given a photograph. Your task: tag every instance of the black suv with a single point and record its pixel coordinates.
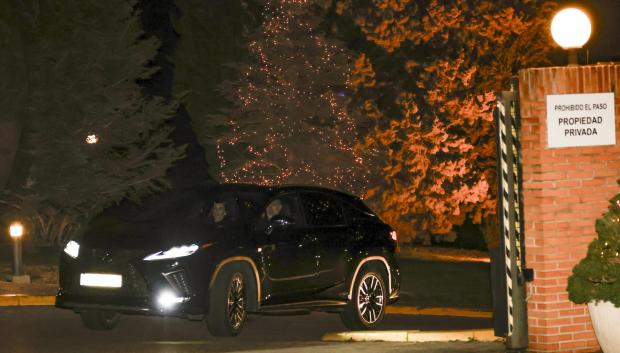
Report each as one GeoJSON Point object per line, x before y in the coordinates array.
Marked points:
{"type": "Point", "coordinates": [220, 252]}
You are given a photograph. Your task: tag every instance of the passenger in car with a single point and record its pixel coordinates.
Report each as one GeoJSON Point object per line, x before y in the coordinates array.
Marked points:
{"type": "Point", "coordinates": [273, 209]}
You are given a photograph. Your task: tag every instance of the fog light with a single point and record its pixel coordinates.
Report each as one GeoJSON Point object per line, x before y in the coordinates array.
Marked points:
{"type": "Point", "coordinates": [167, 300]}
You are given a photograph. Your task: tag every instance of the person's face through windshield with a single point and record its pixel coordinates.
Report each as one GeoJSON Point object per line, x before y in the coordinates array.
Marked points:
{"type": "Point", "coordinates": [218, 211]}
{"type": "Point", "coordinates": [273, 208]}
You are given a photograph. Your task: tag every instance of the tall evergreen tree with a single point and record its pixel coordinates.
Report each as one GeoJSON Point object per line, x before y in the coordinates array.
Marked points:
{"type": "Point", "coordinates": [90, 137]}
{"type": "Point", "coordinates": [428, 81]}
{"type": "Point", "coordinates": [212, 38]}
{"type": "Point", "coordinates": [289, 122]}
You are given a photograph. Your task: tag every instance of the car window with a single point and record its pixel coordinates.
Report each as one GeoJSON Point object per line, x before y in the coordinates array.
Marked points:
{"type": "Point", "coordinates": [354, 212]}
{"type": "Point", "coordinates": [285, 205]}
{"type": "Point", "coordinates": [322, 210]}
{"type": "Point", "coordinates": [221, 210]}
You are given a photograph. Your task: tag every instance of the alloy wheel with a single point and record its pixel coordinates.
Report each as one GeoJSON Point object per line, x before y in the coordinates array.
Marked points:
{"type": "Point", "coordinates": [236, 301]}
{"type": "Point", "coordinates": [370, 295]}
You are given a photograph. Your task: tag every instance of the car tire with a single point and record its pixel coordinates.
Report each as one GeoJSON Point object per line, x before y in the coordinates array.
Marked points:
{"type": "Point", "coordinates": [366, 308]}
{"type": "Point", "coordinates": [228, 302]}
{"type": "Point", "coordinates": [100, 320]}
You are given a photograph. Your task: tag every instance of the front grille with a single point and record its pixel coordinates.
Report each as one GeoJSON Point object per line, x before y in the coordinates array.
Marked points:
{"type": "Point", "coordinates": [179, 281]}
{"type": "Point", "coordinates": [135, 282]}
{"type": "Point", "coordinates": [111, 261]}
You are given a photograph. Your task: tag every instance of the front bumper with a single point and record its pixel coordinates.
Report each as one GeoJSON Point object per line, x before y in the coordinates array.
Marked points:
{"type": "Point", "coordinates": [124, 305]}
{"type": "Point", "coordinates": [142, 285]}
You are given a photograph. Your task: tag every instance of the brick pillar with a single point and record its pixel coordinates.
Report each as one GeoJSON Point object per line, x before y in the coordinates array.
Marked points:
{"type": "Point", "coordinates": [564, 191]}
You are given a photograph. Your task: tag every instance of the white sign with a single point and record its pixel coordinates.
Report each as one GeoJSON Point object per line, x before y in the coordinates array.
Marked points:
{"type": "Point", "coordinates": [587, 119]}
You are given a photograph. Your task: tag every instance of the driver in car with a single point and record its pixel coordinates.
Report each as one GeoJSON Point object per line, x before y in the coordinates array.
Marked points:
{"type": "Point", "coordinates": [222, 214]}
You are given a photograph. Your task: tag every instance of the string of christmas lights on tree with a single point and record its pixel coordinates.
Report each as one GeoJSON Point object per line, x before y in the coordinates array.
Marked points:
{"type": "Point", "coordinates": [289, 121]}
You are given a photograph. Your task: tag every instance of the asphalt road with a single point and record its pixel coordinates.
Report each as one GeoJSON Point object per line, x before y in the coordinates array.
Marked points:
{"type": "Point", "coordinates": [51, 330]}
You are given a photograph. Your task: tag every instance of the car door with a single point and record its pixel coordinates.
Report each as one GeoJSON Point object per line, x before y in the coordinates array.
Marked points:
{"type": "Point", "coordinates": [326, 223]}
{"type": "Point", "coordinates": [287, 259]}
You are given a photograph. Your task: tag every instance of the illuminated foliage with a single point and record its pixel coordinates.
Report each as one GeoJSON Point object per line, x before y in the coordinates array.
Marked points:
{"type": "Point", "coordinates": [429, 92]}
{"type": "Point", "coordinates": [90, 137]}
{"type": "Point", "coordinates": [288, 120]}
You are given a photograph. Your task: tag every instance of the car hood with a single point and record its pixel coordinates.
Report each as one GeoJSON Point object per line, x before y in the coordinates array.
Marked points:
{"type": "Point", "coordinates": [148, 235]}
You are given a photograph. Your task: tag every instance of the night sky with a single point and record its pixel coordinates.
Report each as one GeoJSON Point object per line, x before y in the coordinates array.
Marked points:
{"type": "Point", "coordinates": [604, 45]}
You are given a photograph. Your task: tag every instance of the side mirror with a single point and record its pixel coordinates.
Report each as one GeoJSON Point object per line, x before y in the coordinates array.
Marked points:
{"type": "Point", "coordinates": [279, 222]}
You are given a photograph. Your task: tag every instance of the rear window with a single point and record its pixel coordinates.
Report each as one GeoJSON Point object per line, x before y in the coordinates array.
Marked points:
{"type": "Point", "coordinates": [355, 209]}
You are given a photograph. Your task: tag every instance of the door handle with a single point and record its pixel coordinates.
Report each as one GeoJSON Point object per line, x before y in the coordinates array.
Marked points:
{"type": "Point", "coordinates": [267, 248]}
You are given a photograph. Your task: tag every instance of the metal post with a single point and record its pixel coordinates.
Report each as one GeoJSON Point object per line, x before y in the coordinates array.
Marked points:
{"type": "Point", "coordinates": [573, 59]}
{"type": "Point", "coordinates": [17, 257]}
{"type": "Point", "coordinates": [16, 231]}
{"type": "Point", "coordinates": [511, 220]}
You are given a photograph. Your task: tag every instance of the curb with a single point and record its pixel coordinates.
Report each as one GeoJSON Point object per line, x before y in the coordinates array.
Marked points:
{"type": "Point", "coordinates": [428, 254]}
{"type": "Point", "coordinates": [26, 300]}
{"type": "Point", "coordinates": [412, 336]}
{"type": "Point", "coordinates": [412, 310]}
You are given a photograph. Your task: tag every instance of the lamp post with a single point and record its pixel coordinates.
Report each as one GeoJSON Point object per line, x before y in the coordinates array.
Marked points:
{"type": "Point", "coordinates": [571, 29]}
{"type": "Point", "coordinates": [16, 231]}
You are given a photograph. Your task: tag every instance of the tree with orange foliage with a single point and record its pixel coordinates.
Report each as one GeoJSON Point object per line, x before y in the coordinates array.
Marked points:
{"type": "Point", "coordinates": [429, 90]}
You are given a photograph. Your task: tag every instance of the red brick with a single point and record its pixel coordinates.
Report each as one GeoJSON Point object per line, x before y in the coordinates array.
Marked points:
{"type": "Point", "coordinates": [573, 312]}
{"type": "Point", "coordinates": [568, 183]}
{"type": "Point", "coordinates": [565, 191]}
{"type": "Point", "coordinates": [580, 174]}
{"type": "Point", "coordinates": [572, 328]}
{"type": "Point", "coordinates": [584, 336]}
{"type": "Point", "coordinates": [585, 319]}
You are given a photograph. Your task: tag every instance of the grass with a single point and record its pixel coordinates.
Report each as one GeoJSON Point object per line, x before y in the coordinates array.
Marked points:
{"type": "Point", "coordinates": [41, 263]}
{"type": "Point", "coordinates": [427, 283]}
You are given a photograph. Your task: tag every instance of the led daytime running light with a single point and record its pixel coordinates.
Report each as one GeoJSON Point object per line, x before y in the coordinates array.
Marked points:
{"type": "Point", "coordinates": [173, 253]}
{"type": "Point", "coordinates": [72, 249]}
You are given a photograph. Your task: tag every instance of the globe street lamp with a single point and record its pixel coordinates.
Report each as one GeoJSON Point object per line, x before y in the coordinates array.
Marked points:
{"type": "Point", "coordinates": [571, 29]}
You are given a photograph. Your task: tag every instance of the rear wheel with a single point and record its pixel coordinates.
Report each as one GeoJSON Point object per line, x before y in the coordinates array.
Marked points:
{"type": "Point", "coordinates": [227, 303]}
{"type": "Point", "coordinates": [367, 306]}
{"type": "Point", "coordinates": [100, 320]}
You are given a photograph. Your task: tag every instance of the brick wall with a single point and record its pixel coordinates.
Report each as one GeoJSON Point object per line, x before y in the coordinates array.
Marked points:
{"type": "Point", "coordinates": [564, 191]}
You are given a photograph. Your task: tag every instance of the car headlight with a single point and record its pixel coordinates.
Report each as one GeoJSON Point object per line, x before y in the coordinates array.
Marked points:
{"type": "Point", "coordinates": [173, 253]}
{"type": "Point", "coordinates": [72, 249]}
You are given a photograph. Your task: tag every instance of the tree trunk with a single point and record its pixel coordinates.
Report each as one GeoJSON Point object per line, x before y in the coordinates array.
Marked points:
{"type": "Point", "coordinates": [9, 137]}
{"type": "Point", "coordinates": [490, 231]}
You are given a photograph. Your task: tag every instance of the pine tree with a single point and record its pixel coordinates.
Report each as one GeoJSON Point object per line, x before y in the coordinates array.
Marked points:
{"type": "Point", "coordinates": [90, 137]}
{"type": "Point", "coordinates": [427, 80]}
{"type": "Point", "coordinates": [212, 37]}
{"type": "Point", "coordinates": [597, 276]}
{"type": "Point", "coordinates": [289, 121]}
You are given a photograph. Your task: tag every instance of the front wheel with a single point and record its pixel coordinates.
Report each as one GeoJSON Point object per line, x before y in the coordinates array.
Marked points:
{"type": "Point", "coordinates": [227, 304]}
{"type": "Point", "coordinates": [100, 320]}
{"type": "Point", "coordinates": [367, 306]}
